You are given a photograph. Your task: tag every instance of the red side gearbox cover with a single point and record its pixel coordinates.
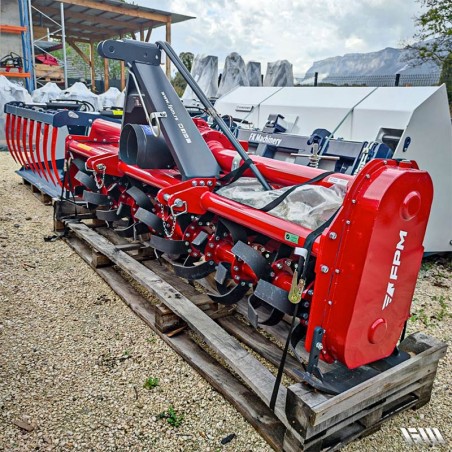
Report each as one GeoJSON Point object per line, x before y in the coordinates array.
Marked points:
{"type": "Point", "coordinates": [370, 263]}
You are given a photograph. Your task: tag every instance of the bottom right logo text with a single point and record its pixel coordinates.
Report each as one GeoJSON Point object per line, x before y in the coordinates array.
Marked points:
{"type": "Point", "coordinates": [427, 436]}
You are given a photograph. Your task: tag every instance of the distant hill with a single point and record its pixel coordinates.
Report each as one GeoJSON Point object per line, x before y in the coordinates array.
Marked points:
{"type": "Point", "coordinates": [383, 63]}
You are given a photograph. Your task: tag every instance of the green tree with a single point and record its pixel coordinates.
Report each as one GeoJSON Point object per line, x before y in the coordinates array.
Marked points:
{"type": "Point", "coordinates": [178, 81]}
{"type": "Point", "coordinates": [434, 31]}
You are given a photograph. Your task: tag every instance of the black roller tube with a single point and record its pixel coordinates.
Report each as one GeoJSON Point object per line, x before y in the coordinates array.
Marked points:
{"type": "Point", "coordinates": [211, 110]}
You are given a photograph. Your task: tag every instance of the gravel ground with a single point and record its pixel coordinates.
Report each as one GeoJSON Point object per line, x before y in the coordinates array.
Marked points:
{"type": "Point", "coordinates": [74, 359]}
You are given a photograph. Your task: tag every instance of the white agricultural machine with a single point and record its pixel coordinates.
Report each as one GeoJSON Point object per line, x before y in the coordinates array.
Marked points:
{"type": "Point", "coordinates": [414, 123]}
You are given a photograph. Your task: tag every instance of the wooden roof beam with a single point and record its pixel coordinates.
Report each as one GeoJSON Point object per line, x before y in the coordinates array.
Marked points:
{"type": "Point", "coordinates": [79, 51]}
{"type": "Point", "coordinates": [118, 10]}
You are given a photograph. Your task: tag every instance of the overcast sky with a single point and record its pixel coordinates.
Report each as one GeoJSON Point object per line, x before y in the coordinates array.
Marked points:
{"type": "Point", "coordinates": [301, 31]}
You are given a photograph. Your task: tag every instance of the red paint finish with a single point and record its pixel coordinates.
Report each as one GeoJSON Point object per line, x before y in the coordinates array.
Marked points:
{"type": "Point", "coordinates": [39, 157]}
{"type": "Point", "coordinates": [374, 241]}
{"type": "Point", "coordinates": [56, 175]}
{"type": "Point", "coordinates": [367, 260]}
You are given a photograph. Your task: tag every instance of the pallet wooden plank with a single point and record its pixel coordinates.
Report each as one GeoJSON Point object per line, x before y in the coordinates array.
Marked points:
{"type": "Point", "coordinates": [245, 401]}
{"type": "Point", "coordinates": [372, 390]}
{"type": "Point", "coordinates": [267, 349]}
{"type": "Point", "coordinates": [318, 418]}
{"type": "Point", "coordinates": [253, 373]}
{"type": "Point", "coordinates": [320, 432]}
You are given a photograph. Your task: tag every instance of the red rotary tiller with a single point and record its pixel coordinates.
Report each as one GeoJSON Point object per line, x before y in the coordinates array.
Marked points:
{"type": "Point", "coordinates": [338, 253]}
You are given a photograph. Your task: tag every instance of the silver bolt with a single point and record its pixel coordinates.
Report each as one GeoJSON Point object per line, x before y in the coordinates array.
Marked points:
{"type": "Point", "coordinates": [202, 183]}
{"type": "Point", "coordinates": [178, 202]}
{"type": "Point", "coordinates": [310, 292]}
{"type": "Point", "coordinates": [187, 234]}
{"type": "Point", "coordinates": [267, 255]}
{"type": "Point", "coordinates": [330, 303]}
{"type": "Point", "coordinates": [348, 222]}
{"type": "Point", "coordinates": [324, 269]}
{"type": "Point", "coordinates": [319, 346]}
{"type": "Point", "coordinates": [194, 183]}
{"type": "Point", "coordinates": [211, 245]}
{"type": "Point", "coordinates": [209, 183]}
{"type": "Point", "coordinates": [272, 274]}
{"type": "Point", "coordinates": [166, 196]}
{"type": "Point", "coordinates": [332, 236]}
{"type": "Point", "coordinates": [208, 254]}
{"type": "Point", "coordinates": [237, 277]}
{"type": "Point", "coordinates": [187, 243]}
{"type": "Point", "coordinates": [385, 162]}
{"type": "Point", "coordinates": [279, 266]}
{"type": "Point", "coordinates": [337, 271]}
{"type": "Point", "coordinates": [192, 228]}
{"type": "Point", "coordinates": [217, 238]}
{"type": "Point", "coordinates": [236, 268]}
{"type": "Point", "coordinates": [353, 201]}
{"type": "Point", "coordinates": [367, 176]}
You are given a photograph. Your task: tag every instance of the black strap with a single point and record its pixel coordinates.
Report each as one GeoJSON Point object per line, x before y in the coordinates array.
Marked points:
{"type": "Point", "coordinates": [276, 202]}
{"type": "Point", "coordinates": [308, 243]}
{"type": "Point", "coordinates": [235, 174]}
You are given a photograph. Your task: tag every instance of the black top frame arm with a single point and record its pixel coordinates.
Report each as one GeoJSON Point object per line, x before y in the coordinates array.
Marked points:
{"type": "Point", "coordinates": [211, 110]}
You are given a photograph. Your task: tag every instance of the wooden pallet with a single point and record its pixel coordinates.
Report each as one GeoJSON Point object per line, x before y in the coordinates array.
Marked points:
{"type": "Point", "coordinates": [38, 192]}
{"type": "Point", "coordinates": [303, 418]}
{"type": "Point", "coordinates": [48, 73]}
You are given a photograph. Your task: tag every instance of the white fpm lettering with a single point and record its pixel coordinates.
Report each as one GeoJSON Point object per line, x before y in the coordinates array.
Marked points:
{"type": "Point", "coordinates": [394, 270]}
{"type": "Point", "coordinates": [428, 436]}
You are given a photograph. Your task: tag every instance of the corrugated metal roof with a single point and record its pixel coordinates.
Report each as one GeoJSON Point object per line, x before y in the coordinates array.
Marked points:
{"type": "Point", "coordinates": [101, 19]}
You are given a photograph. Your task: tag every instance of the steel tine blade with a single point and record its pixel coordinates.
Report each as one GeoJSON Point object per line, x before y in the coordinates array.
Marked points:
{"type": "Point", "coordinates": [39, 157]}
{"type": "Point", "coordinates": [18, 143]}
{"type": "Point", "coordinates": [194, 272]}
{"type": "Point", "coordinates": [15, 133]}
{"type": "Point", "coordinates": [53, 155]}
{"type": "Point", "coordinates": [31, 136]}
{"type": "Point", "coordinates": [150, 219]}
{"type": "Point", "coordinates": [168, 246]}
{"type": "Point", "coordinates": [252, 258]}
{"type": "Point", "coordinates": [8, 122]}
{"type": "Point", "coordinates": [44, 153]}
{"type": "Point", "coordinates": [231, 297]}
{"type": "Point", "coordinates": [14, 126]}
{"type": "Point", "coordinates": [108, 215]}
{"type": "Point", "coordinates": [25, 154]}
